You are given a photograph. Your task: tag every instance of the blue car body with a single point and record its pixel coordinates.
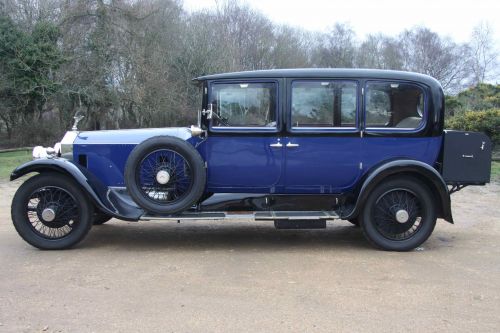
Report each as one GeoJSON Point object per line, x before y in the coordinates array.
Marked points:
{"type": "Point", "coordinates": [248, 164]}
{"type": "Point", "coordinates": [296, 147]}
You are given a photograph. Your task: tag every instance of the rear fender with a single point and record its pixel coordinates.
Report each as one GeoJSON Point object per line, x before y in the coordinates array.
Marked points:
{"type": "Point", "coordinates": [96, 191]}
{"type": "Point", "coordinates": [416, 169]}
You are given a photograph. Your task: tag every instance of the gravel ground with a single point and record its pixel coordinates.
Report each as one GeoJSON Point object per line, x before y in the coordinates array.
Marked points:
{"type": "Point", "coordinates": [237, 277]}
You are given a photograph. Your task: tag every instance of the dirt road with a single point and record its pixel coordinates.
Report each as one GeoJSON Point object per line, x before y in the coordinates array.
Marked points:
{"type": "Point", "coordinates": [249, 277]}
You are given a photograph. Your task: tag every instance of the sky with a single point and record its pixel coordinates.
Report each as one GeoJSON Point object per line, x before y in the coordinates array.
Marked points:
{"type": "Point", "coordinates": [453, 18]}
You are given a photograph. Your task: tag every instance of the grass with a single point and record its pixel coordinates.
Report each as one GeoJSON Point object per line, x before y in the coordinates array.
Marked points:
{"type": "Point", "coordinates": [9, 161]}
{"type": "Point", "coordinates": [495, 171]}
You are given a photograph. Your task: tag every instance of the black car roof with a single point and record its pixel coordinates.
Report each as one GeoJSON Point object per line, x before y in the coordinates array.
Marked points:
{"type": "Point", "coordinates": [324, 73]}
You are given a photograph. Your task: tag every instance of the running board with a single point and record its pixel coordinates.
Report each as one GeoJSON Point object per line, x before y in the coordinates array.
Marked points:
{"type": "Point", "coordinates": [257, 216]}
{"type": "Point", "coordinates": [295, 215]}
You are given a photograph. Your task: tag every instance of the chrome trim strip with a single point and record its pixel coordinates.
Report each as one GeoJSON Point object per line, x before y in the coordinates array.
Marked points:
{"type": "Point", "coordinates": [306, 128]}
{"type": "Point", "coordinates": [111, 202]}
{"type": "Point", "coordinates": [243, 128]}
{"type": "Point", "coordinates": [117, 187]}
{"type": "Point", "coordinates": [257, 216]}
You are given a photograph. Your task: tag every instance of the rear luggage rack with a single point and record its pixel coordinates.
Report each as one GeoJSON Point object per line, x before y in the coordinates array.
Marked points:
{"type": "Point", "coordinates": [466, 159]}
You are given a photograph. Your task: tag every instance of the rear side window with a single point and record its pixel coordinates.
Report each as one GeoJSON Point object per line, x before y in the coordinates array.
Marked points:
{"type": "Point", "coordinates": [394, 105]}
{"type": "Point", "coordinates": [244, 104]}
{"type": "Point", "coordinates": [323, 104]}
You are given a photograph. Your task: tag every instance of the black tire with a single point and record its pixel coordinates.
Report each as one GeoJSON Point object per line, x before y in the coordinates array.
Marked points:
{"type": "Point", "coordinates": [101, 218]}
{"type": "Point", "coordinates": [186, 181]}
{"type": "Point", "coordinates": [73, 212]}
{"type": "Point", "coordinates": [416, 204]}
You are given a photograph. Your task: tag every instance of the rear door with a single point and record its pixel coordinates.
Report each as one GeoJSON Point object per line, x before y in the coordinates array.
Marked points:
{"type": "Point", "coordinates": [396, 122]}
{"type": "Point", "coordinates": [322, 146]}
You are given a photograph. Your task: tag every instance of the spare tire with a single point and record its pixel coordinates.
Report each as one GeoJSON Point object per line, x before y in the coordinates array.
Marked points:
{"type": "Point", "coordinates": [165, 175]}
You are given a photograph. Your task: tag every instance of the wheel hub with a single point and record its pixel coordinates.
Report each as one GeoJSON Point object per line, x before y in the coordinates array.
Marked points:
{"type": "Point", "coordinates": [162, 177]}
{"type": "Point", "coordinates": [48, 215]}
{"type": "Point", "coordinates": [402, 216]}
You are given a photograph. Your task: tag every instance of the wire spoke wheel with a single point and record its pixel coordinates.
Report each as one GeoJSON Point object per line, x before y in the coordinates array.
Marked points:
{"type": "Point", "coordinates": [398, 214]}
{"type": "Point", "coordinates": [52, 212]}
{"type": "Point", "coordinates": [164, 176]}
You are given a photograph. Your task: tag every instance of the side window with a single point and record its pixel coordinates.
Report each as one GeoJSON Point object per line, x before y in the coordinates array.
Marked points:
{"type": "Point", "coordinates": [244, 104]}
{"type": "Point", "coordinates": [323, 104]}
{"type": "Point", "coordinates": [393, 105]}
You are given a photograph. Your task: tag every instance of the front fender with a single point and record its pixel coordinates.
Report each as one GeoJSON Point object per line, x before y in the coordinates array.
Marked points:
{"type": "Point", "coordinates": [89, 183]}
{"type": "Point", "coordinates": [420, 170]}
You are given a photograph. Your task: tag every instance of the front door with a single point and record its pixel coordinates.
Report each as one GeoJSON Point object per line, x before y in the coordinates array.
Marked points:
{"type": "Point", "coordinates": [322, 149]}
{"type": "Point", "coordinates": [244, 151]}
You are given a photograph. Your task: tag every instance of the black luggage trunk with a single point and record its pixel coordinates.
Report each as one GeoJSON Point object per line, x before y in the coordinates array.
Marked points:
{"type": "Point", "coordinates": [466, 158]}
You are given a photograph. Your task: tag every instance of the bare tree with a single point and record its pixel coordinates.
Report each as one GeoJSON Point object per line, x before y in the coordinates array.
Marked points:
{"type": "Point", "coordinates": [483, 54]}
{"type": "Point", "coordinates": [424, 51]}
{"type": "Point", "coordinates": [291, 48]}
{"type": "Point", "coordinates": [129, 63]}
{"type": "Point", "coordinates": [379, 51]}
{"type": "Point", "coordinates": [336, 48]}
{"type": "Point", "coordinates": [28, 12]}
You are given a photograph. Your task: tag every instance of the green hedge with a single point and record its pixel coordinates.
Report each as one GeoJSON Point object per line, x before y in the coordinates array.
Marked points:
{"type": "Point", "coordinates": [481, 121]}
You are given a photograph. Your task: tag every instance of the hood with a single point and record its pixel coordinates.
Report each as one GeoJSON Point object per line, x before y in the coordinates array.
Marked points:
{"type": "Point", "coordinates": [129, 136]}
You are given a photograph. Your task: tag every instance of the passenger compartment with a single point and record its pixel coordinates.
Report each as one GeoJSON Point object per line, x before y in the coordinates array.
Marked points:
{"type": "Point", "coordinates": [466, 158]}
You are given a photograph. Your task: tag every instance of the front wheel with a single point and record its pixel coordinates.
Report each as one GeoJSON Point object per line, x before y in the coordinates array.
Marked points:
{"type": "Point", "coordinates": [50, 212]}
{"type": "Point", "coordinates": [399, 215]}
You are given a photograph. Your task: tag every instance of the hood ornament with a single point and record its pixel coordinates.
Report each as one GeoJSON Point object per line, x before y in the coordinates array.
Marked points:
{"type": "Point", "coordinates": [78, 116]}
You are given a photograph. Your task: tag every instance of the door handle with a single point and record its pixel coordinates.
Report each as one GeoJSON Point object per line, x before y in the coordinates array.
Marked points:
{"type": "Point", "coordinates": [291, 145]}
{"type": "Point", "coordinates": [276, 145]}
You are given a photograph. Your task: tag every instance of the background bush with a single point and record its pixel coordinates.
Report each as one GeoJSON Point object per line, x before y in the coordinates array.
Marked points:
{"type": "Point", "coordinates": [487, 121]}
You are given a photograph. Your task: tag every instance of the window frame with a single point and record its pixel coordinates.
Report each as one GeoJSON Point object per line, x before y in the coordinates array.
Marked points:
{"type": "Point", "coordinates": [332, 129]}
{"type": "Point", "coordinates": [425, 111]}
{"type": "Point", "coordinates": [244, 129]}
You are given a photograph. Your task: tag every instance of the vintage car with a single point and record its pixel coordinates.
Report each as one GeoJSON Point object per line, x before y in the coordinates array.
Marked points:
{"type": "Point", "coordinates": [296, 147]}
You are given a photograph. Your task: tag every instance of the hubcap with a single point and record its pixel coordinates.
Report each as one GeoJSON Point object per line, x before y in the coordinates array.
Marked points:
{"type": "Point", "coordinates": [52, 212]}
{"type": "Point", "coordinates": [402, 216]}
{"type": "Point", "coordinates": [162, 177]}
{"type": "Point", "coordinates": [48, 215]}
{"type": "Point", "coordinates": [398, 214]}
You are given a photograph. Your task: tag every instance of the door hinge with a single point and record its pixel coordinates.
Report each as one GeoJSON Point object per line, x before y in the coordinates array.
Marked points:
{"type": "Point", "coordinates": [206, 165]}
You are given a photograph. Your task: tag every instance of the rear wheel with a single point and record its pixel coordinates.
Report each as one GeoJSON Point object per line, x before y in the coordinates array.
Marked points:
{"type": "Point", "coordinates": [399, 215]}
{"type": "Point", "coordinates": [50, 211]}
